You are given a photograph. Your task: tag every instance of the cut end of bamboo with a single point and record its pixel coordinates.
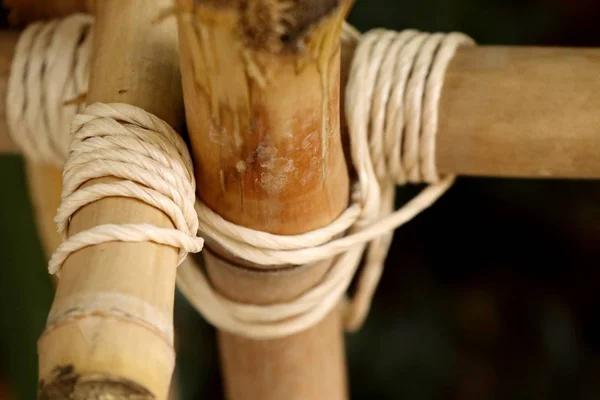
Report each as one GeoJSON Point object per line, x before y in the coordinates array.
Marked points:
{"type": "Point", "coordinates": [273, 25]}
{"type": "Point", "coordinates": [69, 384]}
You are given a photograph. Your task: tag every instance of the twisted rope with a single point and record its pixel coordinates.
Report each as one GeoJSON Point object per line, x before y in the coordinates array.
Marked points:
{"type": "Point", "coordinates": [49, 69]}
{"type": "Point", "coordinates": [391, 104]}
{"type": "Point", "coordinates": [126, 142]}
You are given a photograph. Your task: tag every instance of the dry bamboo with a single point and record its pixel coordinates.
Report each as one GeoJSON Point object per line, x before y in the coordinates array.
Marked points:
{"type": "Point", "coordinates": [505, 111]}
{"type": "Point", "coordinates": [100, 356]}
{"type": "Point", "coordinates": [45, 184]}
{"type": "Point", "coordinates": [521, 112]}
{"type": "Point", "coordinates": [263, 118]}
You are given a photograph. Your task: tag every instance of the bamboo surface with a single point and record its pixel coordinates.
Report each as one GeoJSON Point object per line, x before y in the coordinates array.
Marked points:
{"type": "Point", "coordinates": [265, 134]}
{"type": "Point", "coordinates": [44, 181]}
{"type": "Point", "coordinates": [103, 356]}
{"type": "Point", "coordinates": [521, 112]}
{"type": "Point", "coordinates": [505, 111]}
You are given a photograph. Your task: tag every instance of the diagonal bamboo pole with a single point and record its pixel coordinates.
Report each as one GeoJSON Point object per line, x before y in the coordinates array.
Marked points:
{"type": "Point", "coordinates": [106, 356]}
{"type": "Point", "coordinates": [261, 86]}
{"type": "Point", "coordinates": [45, 184]}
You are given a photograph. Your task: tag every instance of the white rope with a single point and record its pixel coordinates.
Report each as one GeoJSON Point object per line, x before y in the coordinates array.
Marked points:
{"type": "Point", "coordinates": [126, 142]}
{"type": "Point", "coordinates": [50, 67]}
{"type": "Point", "coordinates": [391, 104]}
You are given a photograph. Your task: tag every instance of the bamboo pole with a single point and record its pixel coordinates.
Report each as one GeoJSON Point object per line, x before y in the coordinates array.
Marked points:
{"type": "Point", "coordinates": [44, 183]}
{"type": "Point", "coordinates": [505, 111]}
{"type": "Point", "coordinates": [521, 112]}
{"type": "Point", "coordinates": [108, 356]}
{"type": "Point", "coordinates": [263, 119]}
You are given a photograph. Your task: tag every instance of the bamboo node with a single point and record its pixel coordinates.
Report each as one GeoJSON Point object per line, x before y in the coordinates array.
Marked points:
{"type": "Point", "coordinates": [110, 305]}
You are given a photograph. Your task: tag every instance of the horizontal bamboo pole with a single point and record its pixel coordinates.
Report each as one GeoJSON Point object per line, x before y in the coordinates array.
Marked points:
{"type": "Point", "coordinates": [505, 111]}
{"type": "Point", "coordinates": [521, 112]}
{"type": "Point", "coordinates": [103, 355]}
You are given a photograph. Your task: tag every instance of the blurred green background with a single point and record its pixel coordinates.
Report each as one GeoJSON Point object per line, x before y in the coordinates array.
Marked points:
{"type": "Point", "coordinates": [491, 294]}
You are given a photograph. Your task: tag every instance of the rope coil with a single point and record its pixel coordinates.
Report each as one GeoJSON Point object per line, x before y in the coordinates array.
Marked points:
{"type": "Point", "coordinates": [50, 67]}
{"type": "Point", "coordinates": [124, 141]}
{"type": "Point", "coordinates": [391, 105]}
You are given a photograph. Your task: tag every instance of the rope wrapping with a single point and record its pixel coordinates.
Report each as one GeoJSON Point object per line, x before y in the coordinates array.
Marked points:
{"type": "Point", "coordinates": [50, 67]}
{"type": "Point", "coordinates": [392, 95]}
{"type": "Point", "coordinates": [124, 141]}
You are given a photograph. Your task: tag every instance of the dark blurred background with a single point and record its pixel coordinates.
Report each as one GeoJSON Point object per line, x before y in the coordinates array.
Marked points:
{"type": "Point", "coordinates": [490, 294]}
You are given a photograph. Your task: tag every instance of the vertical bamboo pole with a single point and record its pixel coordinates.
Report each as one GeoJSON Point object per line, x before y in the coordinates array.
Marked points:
{"type": "Point", "coordinates": [261, 87]}
{"type": "Point", "coordinates": [104, 355]}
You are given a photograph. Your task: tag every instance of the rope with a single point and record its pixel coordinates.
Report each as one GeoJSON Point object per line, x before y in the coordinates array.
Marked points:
{"type": "Point", "coordinates": [391, 104]}
{"type": "Point", "coordinates": [50, 68]}
{"type": "Point", "coordinates": [123, 141]}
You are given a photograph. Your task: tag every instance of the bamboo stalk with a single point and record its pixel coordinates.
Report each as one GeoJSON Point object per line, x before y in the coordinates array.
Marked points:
{"type": "Point", "coordinates": [45, 184]}
{"type": "Point", "coordinates": [512, 111]}
{"type": "Point", "coordinates": [521, 112]}
{"type": "Point", "coordinates": [109, 356]}
{"type": "Point", "coordinates": [263, 119]}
